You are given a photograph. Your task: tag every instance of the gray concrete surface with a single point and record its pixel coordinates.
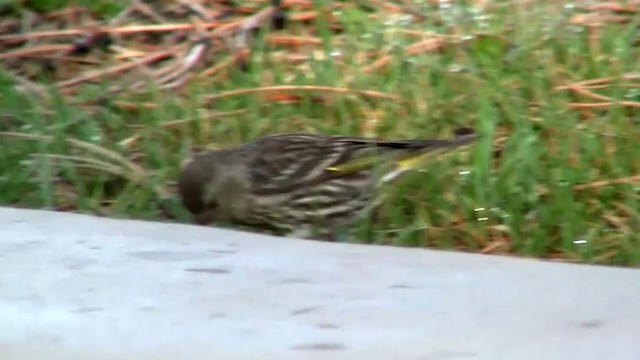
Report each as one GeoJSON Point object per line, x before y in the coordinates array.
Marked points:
{"type": "Point", "coordinates": [80, 287]}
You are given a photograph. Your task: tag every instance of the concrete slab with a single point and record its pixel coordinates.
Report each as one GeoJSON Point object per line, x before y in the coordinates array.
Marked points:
{"type": "Point", "coordinates": [81, 287]}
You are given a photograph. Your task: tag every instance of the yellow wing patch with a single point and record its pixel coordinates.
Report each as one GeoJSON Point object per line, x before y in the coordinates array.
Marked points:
{"type": "Point", "coordinates": [412, 162]}
{"type": "Point", "coordinates": [368, 162]}
{"type": "Point", "coordinates": [355, 165]}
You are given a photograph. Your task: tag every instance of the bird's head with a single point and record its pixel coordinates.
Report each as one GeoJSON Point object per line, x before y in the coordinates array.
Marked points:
{"type": "Point", "coordinates": [206, 182]}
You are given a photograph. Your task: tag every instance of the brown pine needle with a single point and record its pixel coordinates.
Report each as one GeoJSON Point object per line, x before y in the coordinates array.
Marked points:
{"type": "Point", "coordinates": [296, 88]}
{"type": "Point", "coordinates": [219, 67]}
{"type": "Point", "coordinates": [293, 41]}
{"type": "Point", "coordinates": [134, 29]}
{"type": "Point", "coordinates": [36, 51]}
{"type": "Point", "coordinates": [599, 81]}
{"type": "Point", "coordinates": [603, 105]}
{"type": "Point", "coordinates": [609, 182]}
{"type": "Point", "coordinates": [420, 47]}
{"type": "Point", "coordinates": [605, 99]}
{"type": "Point", "coordinates": [628, 180]}
{"type": "Point", "coordinates": [114, 69]}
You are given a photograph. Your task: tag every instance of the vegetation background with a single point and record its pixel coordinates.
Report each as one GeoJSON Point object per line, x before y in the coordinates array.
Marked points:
{"type": "Point", "coordinates": [100, 123]}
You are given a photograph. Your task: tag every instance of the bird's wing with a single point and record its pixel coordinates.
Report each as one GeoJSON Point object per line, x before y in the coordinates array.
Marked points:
{"type": "Point", "coordinates": [281, 162]}
{"type": "Point", "coordinates": [411, 153]}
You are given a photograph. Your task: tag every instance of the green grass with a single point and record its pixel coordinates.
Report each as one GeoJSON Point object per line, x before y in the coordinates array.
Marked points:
{"type": "Point", "coordinates": [520, 190]}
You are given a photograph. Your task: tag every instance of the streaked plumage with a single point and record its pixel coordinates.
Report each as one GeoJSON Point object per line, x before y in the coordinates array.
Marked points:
{"type": "Point", "coordinates": [301, 185]}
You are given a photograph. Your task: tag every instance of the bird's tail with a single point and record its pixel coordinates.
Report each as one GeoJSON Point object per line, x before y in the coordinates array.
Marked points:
{"type": "Point", "coordinates": [429, 149]}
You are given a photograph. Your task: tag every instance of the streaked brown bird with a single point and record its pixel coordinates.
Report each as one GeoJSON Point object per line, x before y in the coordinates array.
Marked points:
{"type": "Point", "coordinates": [300, 185]}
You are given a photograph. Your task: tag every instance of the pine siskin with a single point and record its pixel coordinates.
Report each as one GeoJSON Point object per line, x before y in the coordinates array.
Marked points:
{"type": "Point", "coordinates": [300, 185]}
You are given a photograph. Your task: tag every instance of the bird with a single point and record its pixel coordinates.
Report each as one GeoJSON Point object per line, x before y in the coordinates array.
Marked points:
{"type": "Point", "coordinates": [300, 185]}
